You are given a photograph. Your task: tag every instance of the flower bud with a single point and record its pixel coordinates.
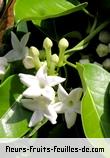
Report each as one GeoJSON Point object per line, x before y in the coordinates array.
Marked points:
{"type": "Point", "coordinates": [47, 43]}
{"type": "Point", "coordinates": [63, 43]}
{"type": "Point", "coordinates": [102, 50]}
{"type": "Point", "coordinates": [109, 47]}
{"type": "Point", "coordinates": [84, 61]}
{"type": "Point", "coordinates": [55, 58]}
{"type": "Point", "coordinates": [33, 52]}
{"type": "Point", "coordinates": [28, 62]}
{"type": "Point", "coordinates": [104, 37]}
{"type": "Point", "coordinates": [106, 63]}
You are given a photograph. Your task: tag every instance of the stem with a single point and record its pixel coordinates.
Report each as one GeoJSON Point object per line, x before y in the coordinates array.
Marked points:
{"type": "Point", "coordinates": [52, 69]}
{"type": "Point", "coordinates": [70, 64]}
{"type": "Point", "coordinates": [48, 57]}
{"type": "Point", "coordinates": [37, 62]}
{"type": "Point", "coordinates": [88, 13]}
{"type": "Point", "coordinates": [88, 38]}
{"type": "Point", "coordinates": [66, 76]}
{"type": "Point", "coordinates": [61, 57]}
{"type": "Point", "coordinates": [94, 25]}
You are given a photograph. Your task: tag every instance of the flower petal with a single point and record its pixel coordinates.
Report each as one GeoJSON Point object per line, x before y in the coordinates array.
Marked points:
{"type": "Point", "coordinates": [24, 40]}
{"type": "Point", "coordinates": [3, 61]}
{"type": "Point", "coordinates": [12, 55]}
{"type": "Point", "coordinates": [36, 117]}
{"type": "Point", "coordinates": [75, 95]}
{"type": "Point", "coordinates": [60, 107]}
{"type": "Point", "coordinates": [28, 80]}
{"type": "Point", "coordinates": [3, 64]}
{"type": "Point", "coordinates": [48, 92]}
{"type": "Point", "coordinates": [41, 75]}
{"type": "Point", "coordinates": [24, 52]}
{"type": "Point", "coordinates": [62, 94]}
{"type": "Point", "coordinates": [42, 102]}
{"type": "Point", "coordinates": [35, 104]}
{"type": "Point", "coordinates": [70, 118]}
{"type": "Point", "coordinates": [77, 107]}
{"type": "Point", "coordinates": [42, 72]}
{"type": "Point", "coordinates": [32, 92]}
{"type": "Point", "coordinates": [29, 104]}
{"type": "Point", "coordinates": [50, 114]}
{"type": "Point", "coordinates": [2, 71]}
{"type": "Point", "coordinates": [15, 42]}
{"type": "Point", "coordinates": [54, 80]}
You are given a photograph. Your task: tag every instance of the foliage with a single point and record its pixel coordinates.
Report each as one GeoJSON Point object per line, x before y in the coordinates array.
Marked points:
{"type": "Point", "coordinates": [72, 30]}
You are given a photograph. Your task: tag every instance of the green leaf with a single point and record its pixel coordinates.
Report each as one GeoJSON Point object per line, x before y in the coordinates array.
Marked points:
{"type": "Point", "coordinates": [13, 117]}
{"type": "Point", "coordinates": [22, 27]}
{"type": "Point", "coordinates": [95, 108]}
{"type": "Point", "coordinates": [14, 123]}
{"type": "Point", "coordinates": [10, 89]}
{"type": "Point", "coordinates": [36, 128]}
{"type": "Point", "coordinates": [40, 10]}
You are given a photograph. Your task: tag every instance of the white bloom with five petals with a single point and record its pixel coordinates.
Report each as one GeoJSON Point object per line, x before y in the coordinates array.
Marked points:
{"type": "Point", "coordinates": [41, 84]}
{"type": "Point", "coordinates": [41, 108]}
{"type": "Point", "coordinates": [69, 104]}
{"type": "Point", "coordinates": [19, 50]}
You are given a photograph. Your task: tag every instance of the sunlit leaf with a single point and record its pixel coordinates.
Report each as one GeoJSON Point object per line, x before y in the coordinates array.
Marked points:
{"type": "Point", "coordinates": [40, 10]}
{"type": "Point", "coordinates": [95, 103]}
{"type": "Point", "coordinates": [13, 117]}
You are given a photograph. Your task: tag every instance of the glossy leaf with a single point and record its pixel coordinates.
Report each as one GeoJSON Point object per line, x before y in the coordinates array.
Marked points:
{"type": "Point", "coordinates": [36, 128]}
{"type": "Point", "coordinates": [14, 122]}
{"type": "Point", "coordinates": [13, 117]}
{"type": "Point", "coordinates": [10, 90]}
{"type": "Point", "coordinates": [40, 10]}
{"type": "Point", "coordinates": [95, 111]}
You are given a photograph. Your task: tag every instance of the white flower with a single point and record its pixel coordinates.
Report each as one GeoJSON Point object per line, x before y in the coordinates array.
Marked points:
{"type": "Point", "coordinates": [3, 64]}
{"type": "Point", "coordinates": [41, 107]}
{"type": "Point", "coordinates": [69, 104]}
{"type": "Point", "coordinates": [19, 50]}
{"type": "Point", "coordinates": [40, 84]}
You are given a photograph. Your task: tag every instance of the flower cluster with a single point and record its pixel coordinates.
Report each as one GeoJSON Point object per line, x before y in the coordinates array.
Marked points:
{"type": "Point", "coordinates": [41, 93]}
{"type": "Point", "coordinates": [44, 95]}
{"type": "Point", "coordinates": [30, 56]}
{"type": "Point", "coordinates": [42, 99]}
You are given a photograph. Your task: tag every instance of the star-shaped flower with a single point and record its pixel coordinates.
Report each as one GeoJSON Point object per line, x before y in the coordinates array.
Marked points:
{"type": "Point", "coordinates": [3, 64]}
{"type": "Point", "coordinates": [19, 50]}
{"type": "Point", "coordinates": [69, 104]}
{"type": "Point", "coordinates": [41, 84]}
{"type": "Point", "coordinates": [41, 108]}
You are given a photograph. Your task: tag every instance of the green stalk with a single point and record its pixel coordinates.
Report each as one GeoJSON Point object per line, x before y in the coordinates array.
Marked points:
{"type": "Point", "coordinates": [70, 64]}
{"type": "Point", "coordinates": [88, 38]}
